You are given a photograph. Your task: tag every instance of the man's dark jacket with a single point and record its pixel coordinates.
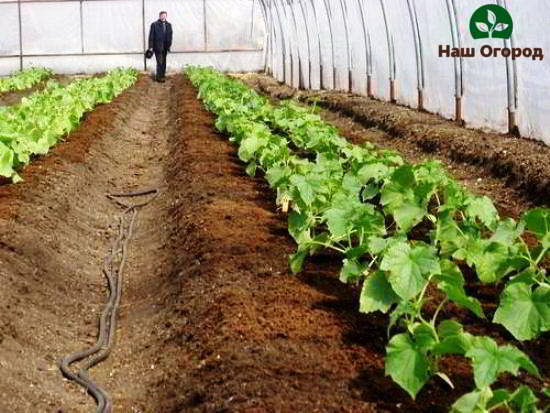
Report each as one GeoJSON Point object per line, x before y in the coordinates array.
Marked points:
{"type": "Point", "coordinates": [159, 39]}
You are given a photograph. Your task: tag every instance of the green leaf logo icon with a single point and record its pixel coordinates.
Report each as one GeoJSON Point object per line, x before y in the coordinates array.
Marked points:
{"type": "Point", "coordinates": [491, 22]}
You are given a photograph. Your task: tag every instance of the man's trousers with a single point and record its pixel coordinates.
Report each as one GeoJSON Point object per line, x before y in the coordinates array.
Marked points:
{"type": "Point", "coordinates": [161, 64]}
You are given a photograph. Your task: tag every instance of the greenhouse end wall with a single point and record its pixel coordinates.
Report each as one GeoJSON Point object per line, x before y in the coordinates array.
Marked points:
{"type": "Point", "coordinates": [389, 49]}
{"type": "Point", "coordinates": [80, 36]}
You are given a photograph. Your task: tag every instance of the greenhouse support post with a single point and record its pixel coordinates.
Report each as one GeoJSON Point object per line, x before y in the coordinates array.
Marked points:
{"type": "Point", "coordinates": [20, 35]}
{"type": "Point", "coordinates": [511, 80]}
{"type": "Point", "coordinates": [300, 66]}
{"type": "Point", "coordinates": [391, 55]}
{"type": "Point", "coordinates": [367, 53]}
{"type": "Point", "coordinates": [457, 43]}
{"type": "Point", "coordinates": [81, 27]}
{"type": "Point", "coordinates": [321, 70]}
{"type": "Point", "coordinates": [204, 28]}
{"type": "Point", "coordinates": [348, 44]}
{"type": "Point", "coordinates": [418, 53]}
{"type": "Point", "coordinates": [291, 60]}
{"type": "Point", "coordinates": [308, 43]}
{"type": "Point", "coordinates": [283, 41]}
{"type": "Point", "coordinates": [145, 45]}
{"type": "Point", "coordinates": [329, 19]}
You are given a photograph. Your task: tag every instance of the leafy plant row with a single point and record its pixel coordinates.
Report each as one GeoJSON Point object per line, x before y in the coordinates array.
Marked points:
{"type": "Point", "coordinates": [24, 79]}
{"type": "Point", "coordinates": [38, 122]}
{"type": "Point", "coordinates": [400, 229]}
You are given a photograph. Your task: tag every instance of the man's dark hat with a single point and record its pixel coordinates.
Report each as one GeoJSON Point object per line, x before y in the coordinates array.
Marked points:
{"type": "Point", "coordinates": [149, 54]}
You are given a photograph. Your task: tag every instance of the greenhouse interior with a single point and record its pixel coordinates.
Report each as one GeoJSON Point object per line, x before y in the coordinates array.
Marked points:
{"type": "Point", "coordinates": [274, 206]}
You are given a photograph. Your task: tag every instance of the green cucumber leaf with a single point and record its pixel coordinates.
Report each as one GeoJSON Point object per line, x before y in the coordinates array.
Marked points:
{"type": "Point", "coordinates": [377, 294]}
{"type": "Point", "coordinates": [452, 339]}
{"type": "Point", "coordinates": [490, 360]}
{"type": "Point", "coordinates": [473, 402]}
{"type": "Point", "coordinates": [409, 267]}
{"type": "Point", "coordinates": [538, 222]}
{"type": "Point", "coordinates": [406, 364]}
{"type": "Point", "coordinates": [451, 282]}
{"type": "Point", "coordinates": [523, 311]}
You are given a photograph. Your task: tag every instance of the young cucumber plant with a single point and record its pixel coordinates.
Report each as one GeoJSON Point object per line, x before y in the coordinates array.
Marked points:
{"type": "Point", "coordinates": [370, 206]}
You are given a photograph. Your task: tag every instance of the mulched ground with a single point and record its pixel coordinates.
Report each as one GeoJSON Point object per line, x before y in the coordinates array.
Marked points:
{"type": "Point", "coordinates": [211, 320]}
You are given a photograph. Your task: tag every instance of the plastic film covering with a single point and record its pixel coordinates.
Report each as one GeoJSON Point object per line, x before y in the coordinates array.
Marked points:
{"type": "Point", "coordinates": [390, 50]}
{"type": "Point", "coordinates": [358, 45]}
{"type": "Point", "coordinates": [53, 27]}
{"type": "Point", "coordinates": [96, 15]}
{"type": "Point", "coordinates": [382, 64]}
{"type": "Point", "coordinates": [327, 43]}
{"type": "Point", "coordinates": [9, 24]}
{"type": "Point", "coordinates": [533, 80]}
{"type": "Point", "coordinates": [75, 36]}
{"type": "Point", "coordinates": [485, 82]}
{"type": "Point", "coordinates": [439, 89]}
{"type": "Point", "coordinates": [187, 19]}
{"type": "Point", "coordinates": [403, 45]}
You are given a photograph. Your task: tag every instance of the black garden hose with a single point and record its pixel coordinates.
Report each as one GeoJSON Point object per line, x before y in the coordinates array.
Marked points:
{"type": "Point", "coordinates": [113, 267]}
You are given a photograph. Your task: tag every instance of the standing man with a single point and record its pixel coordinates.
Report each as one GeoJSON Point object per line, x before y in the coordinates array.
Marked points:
{"type": "Point", "coordinates": [160, 41]}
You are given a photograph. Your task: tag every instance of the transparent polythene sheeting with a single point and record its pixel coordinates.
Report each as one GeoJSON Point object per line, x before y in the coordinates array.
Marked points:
{"type": "Point", "coordinates": [224, 61]}
{"type": "Point", "coordinates": [399, 43]}
{"type": "Point", "coordinates": [533, 98]}
{"type": "Point", "coordinates": [66, 35]}
{"type": "Point", "coordinates": [9, 29]}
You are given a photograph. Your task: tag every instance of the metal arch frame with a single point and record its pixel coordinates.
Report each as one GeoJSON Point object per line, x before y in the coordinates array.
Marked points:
{"type": "Point", "coordinates": [267, 38]}
{"type": "Point", "coordinates": [512, 82]}
{"type": "Point", "coordinates": [457, 42]}
{"type": "Point", "coordinates": [272, 36]}
{"type": "Point", "coordinates": [20, 35]}
{"type": "Point", "coordinates": [368, 49]}
{"type": "Point", "coordinates": [321, 69]}
{"type": "Point", "coordinates": [308, 42]}
{"type": "Point", "coordinates": [296, 44]}
{"type": "Point", "coordinates": [329, 19]}
{"type": "Point", "coordinates": [348, 43]}
{"type": "Point", "coordinates": [283, 40]}
{"type": "Point", "coordinates": [274, 39]}
{"type": "Point", "coordinates": [418, 52]}
{"type": "Point", "coordinates": [286, 37]}
{"type": "Point", "coordinates": [391, 54]}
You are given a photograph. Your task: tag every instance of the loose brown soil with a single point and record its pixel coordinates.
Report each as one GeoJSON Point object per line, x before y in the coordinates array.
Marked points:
{"type": "Point", "coordinates": [211, 318]}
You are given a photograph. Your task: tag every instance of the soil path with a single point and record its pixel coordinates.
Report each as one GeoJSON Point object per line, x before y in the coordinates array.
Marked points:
{"type": "Point", "coordinates": [55, 230]}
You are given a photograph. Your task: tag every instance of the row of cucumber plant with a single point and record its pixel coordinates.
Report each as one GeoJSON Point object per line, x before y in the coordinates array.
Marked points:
{"type": "Point", "coordinates": [39, 121]}
{"type": "Point", "coordinates": [400, 228]}
{"type": "Point", "coordinates": [24, 79]}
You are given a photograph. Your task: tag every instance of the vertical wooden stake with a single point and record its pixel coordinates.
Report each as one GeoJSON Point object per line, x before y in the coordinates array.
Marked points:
{"type": "Point", "coordinates": [420, 99]}
{"type": "Point", "coordinates": [458, 110]}
{"type": "Point", "coordinates": [369, 86]}
{"type": "Point", "coordinates": [392, 91]}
